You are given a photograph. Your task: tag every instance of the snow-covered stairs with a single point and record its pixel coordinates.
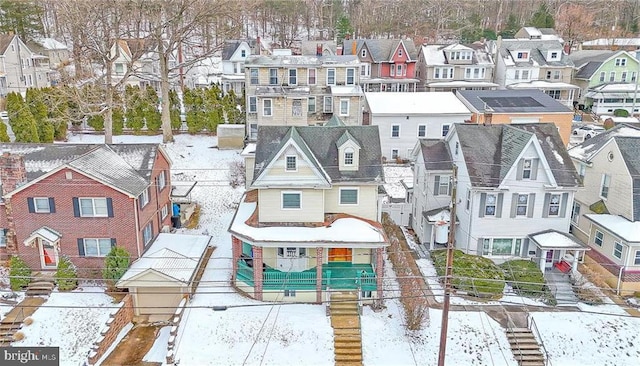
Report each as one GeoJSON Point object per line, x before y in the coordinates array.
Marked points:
{"type": "Point", "coordinates": [345, 320]}
{"type": "Point", "coordinates": [525, 347]}
{"type": "Point", "coordinates": [41, 285]}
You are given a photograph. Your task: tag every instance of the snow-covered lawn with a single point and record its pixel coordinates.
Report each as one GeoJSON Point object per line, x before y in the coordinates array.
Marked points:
{"type": "Point", "coordinates": [5, 291]}
{"type": "Point", "coordinates": [71, 321]}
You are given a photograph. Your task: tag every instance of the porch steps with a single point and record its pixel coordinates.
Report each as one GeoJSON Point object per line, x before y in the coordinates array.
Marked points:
{"type": "Point", "coordinates": [40, 286]}
{"type": "Point", "coordinates": [345, 320]}
{"type": "Point", "coordinates": [12, 322]}
{"type": "Point", "coordinates": [525, 347]}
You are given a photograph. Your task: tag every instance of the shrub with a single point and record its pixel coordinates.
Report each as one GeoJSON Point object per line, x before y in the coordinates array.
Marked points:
{"type": "Point", "coordinates": [115, 265]}
{"type": "Point", "coordinates": [236, 173]}
{"type": "Point", "coordinates": [473, 274]}
{"type": "Point", "coordinates": [621, 113]}
{"type": "Point", "coordinates": [66, 275]}
{"type": "Point", "coordinates": [28, 321]}
{"type": "Point", "coordinates": [18, 336]}
{"type": "Point", "coordinates": [19, 273]}
{"type": "Point", "coordinates": [525, 277]}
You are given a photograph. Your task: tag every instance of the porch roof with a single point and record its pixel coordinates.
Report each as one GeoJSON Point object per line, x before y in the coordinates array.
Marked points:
{"type": "Point", "coordinates": [45, 233]}
{"type": "Point", "coordinates": [556, 240]}
{"type": "Point", "coordinates": [342, 231]}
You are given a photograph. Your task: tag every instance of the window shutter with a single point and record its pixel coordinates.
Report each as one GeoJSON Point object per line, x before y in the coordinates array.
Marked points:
{"type": "Point", "coordinates": [514, 204]}
{"type": "Point", "coordinates": [532, 204]}
{"type": "Point", "coordinates": [113, 242]}
{"type": "Point", "coordinates": [76, 207]}
{"type": "Point", "coordinates": [52, 205]}
{"type": "Point", "coordinates": [436, 184]}
{"type": "Point", "coordinates": [545, 207]}
{"type": "Point", "coordinates": [32, 207]}
{"type": "Point", "coordinates": [534, 169]}
{"type": "Point", "coordinates": [483, 199]}
{"type": "Point", "coordinates": [520, 169]}
{"type": "Point", "coordinates": [109, 207]}
{"type": "Point", "coordinates": [563, 205]}
{"type": "Point", "coordinates": [81, 247]}
{"type": "Point", "coordinates": [499, 205]}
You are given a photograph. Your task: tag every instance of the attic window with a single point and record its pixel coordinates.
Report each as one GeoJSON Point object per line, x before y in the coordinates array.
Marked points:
{"type": "Point", "coordinates": [291, 163]}
{"type": "Point", "coordinates": [523, 55]}
{"type": "Point", "coordinates": [554, 55]}
{"type": "Point", "coordinates": [363, 53]}
{"type": "Point", "coordinates": [348, 156]}
{"type": "Point", "coordinates": [399, 52]}
{"type": "Point", "coordinates": [243, 53]}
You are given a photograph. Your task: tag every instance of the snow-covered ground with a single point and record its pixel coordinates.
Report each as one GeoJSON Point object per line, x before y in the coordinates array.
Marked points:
{"type": "Point", "coordinates": [71, 321]}
{"type": "Point", "coordinates": [394, 177]}
{"type": "Point", "coordinates": [5, 291]}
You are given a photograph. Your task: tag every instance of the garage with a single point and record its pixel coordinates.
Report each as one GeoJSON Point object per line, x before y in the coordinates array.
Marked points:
{"type": "Point", "coordinates": [168, 271]}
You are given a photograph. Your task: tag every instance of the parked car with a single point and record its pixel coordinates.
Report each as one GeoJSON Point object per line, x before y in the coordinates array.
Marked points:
{"type": "Point", "coordinates": [4, 116]}
{"type": "Point", "coordinates": [588, 131]}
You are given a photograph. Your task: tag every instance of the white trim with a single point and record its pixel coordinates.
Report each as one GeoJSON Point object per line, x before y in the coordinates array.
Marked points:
{"type": "Point", "coordinates": [335, 75]}
{"type": "Point", "coordinates": [340, 112]}
{"type": "Point", "coordinates": [84, 243]}
{"type": "Point", "coordinates": [613, 253]}
{"type": "Point", "coordinates": [395, 137]}
{"type": "Point", "coordinates": [270, 107]}
{"type": "Point", "coordinates": [315, 76]}
{"type": "Point", "coordinates": [346, 76]}
{"type": "Point", "coordinates": [93, 206]}
{"type": "Point", "coordinates": [289, 76]}
{"type": "Point", "coordinates": [35, 205]}
{"type": "Point", "coordinates": [425, 131]}
{"type": "Point", "coordinates": [41, 253]}
{"type": "Point", "coordinates": [286, 163]}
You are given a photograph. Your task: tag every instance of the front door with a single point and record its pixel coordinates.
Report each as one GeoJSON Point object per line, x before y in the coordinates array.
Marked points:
{"type": "Point", "coordinates": [340, 255]}
{"type": "Point", "coordinates": [48, 255]}
{"type": "Point", "coordinates": [549, 259]}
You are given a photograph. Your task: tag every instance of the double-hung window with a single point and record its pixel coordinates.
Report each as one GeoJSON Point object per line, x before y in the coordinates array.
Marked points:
{"type": "Point", "coordinates": [328, 104]}
{"type": "Point", "coordinates": [598, 238]}
{"type": "Point", "coordinates": [273, 76]}
{"type": "Point", "coordinates": [253, 80]}
{"type": "Point", "coordinates": [311, 105]}
{"type": "Point", "coordinates": [93, 207]}
{"type": "Point", "coordinates": [575, 214]}
{"type": "Point", "coordinates": [293, 76]}
{"type": "Point", "coordinates": [331, 76]}
{"type": "Point", "coordinates": [291, 200]}
{"type": "Point", "coordinates": [441, 185]}
{"type": "Point", "coordinates": [162, 180]}
{"type": "Point", "coordinates": [164, 211]}
{"type": "Point", "coordinates": [351, 76]}
{"type": "Point", "coordinates": [311, 76]}
{"type": "Point", "coordinates": [253, 104]}
{"type": "Point", "coordinates": [267, 108]}
{"type": "Point", "coordinates": [344, 107]}
{"type": "Point", "coordinates": [296, 108]}
{"type": "Point", "coordinates": [522, 204]}
{"type": "Point", "coordinates": [636, 258]}
{"type": "Point", "coordinates": [554, 205]}
{"type": "Point", "coordinates": [526, 169]}
{"type": "Point", "coordinates": [604, 187]}
{"type": "Point", "coordinates": [445, 130]}
{"type": "Point", "coordinates": [422, 131]}
{"type": "Point", "coordinates": [144, 198]}
{"type": "Point", "coordinates": [395, 131]}
{"type": "Point", "coordinates": [97, 247]}
{"type": "Point", "coordinates": [147, 233]}
{"type": "Point", "coordinates": [617, 250]}
{"type": "Point", "coordinates": [490, 205]}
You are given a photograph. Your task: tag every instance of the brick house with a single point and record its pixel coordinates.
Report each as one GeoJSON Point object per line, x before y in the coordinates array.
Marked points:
{"type": "Point", "coordinates": [80, 200]}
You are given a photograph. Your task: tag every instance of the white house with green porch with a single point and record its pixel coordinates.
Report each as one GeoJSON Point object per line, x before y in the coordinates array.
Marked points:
{"type": "Point", "coordinates": [308, 225]}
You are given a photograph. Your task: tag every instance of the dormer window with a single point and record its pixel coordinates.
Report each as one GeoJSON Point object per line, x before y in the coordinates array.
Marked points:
{"type": "Point", "coordinates": [523, 55]}
{"type": "Point", "coordinates": [348, 156]}
{"type": "Point", "coordinates": [291, 164]}
{"type": "Point", "coordinates": [363, 53]}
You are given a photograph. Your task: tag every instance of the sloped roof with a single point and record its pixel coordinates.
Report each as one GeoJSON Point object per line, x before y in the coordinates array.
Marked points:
{"type": "Point", "coordinates": [536, 57]}
{"type": "Point", "coordinates": [434, 54]}
{"type": "Point", "coordinates": [294, 60]}
{"type": "Point", "coordinates": [380, 49]}
{"type": "Point", "coordinates": [310, 47]}
{"type": "Point", "coordinates": [418, 103]}
{"type": "Point", "coordinates": [590, 147]}
{"type": "Point", "coordinates": [230, 47]}
{"type": "Point", "coordinates": [5, 41]}
{"type": "Point", "coordinates": [581, 57]}
{"type": "Point", "coordinates": [513, 101]}
{"type": "Point", "coordinates": [334, 121]}
{"type": "Point", "coordinates": [630, 150]}
{"type": "Point", "coordinates": [435, 154]}
{"type": "Point", "coordinates": [124, 166]}
{"type": "Point", "coordinates": [321, 142]}
{"type": "Point", "coordinates": [490, 151]}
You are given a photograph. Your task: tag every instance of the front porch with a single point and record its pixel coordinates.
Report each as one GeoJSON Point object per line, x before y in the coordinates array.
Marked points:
{"type": "Point", "coordinates": [558, 250]}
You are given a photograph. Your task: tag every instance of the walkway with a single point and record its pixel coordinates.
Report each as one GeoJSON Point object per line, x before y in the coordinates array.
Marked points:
{"type": "Point", "coordinates": [135, 345]}
{"type": "Point", "coordinates": [560, 285]}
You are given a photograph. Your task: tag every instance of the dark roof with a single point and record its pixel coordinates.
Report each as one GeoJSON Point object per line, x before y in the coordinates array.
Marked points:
{"type": "Point", "coordinates": [630, 150]}
{"type": "Point", "coordinates": [5, 41]}
{"type": "Point", "coordinates": [435, 154]}
{"type": "Point", "coordinates": [490, 151]}
{"type": "Point", "coordinates": [586, 71]}
{"type": "Point", "coordinates": [310, 47]}
{"type": "Point", "coordinates": [512, 101]}
{"type": "Point", "coordinates": [124, 166]}
{"type": "Point", "coordinates": [581, 57]}
{"type": "Point", "coordinates": [321, 143]}
{"type": "Point", "coordinates": [231, 46]}
{"type": "Point", "coordinates": [381, 50]}
{"type": "Point", "coordinates": [536, 57]}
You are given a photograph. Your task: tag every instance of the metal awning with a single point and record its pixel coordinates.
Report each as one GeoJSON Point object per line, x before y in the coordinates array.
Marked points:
{"type": "Point", "coordinates": [44, 233]}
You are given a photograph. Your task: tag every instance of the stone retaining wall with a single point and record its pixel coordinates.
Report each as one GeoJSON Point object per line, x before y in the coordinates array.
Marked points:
{"type": "Point", "coordinates": [118, 319]}
{"type": "Point", "coordinates": [173, 334]}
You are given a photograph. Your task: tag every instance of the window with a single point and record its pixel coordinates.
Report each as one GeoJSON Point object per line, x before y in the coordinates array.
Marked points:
{"type": "Point", "coordinates": [267, 108]}
{"type": "Point", "coordinates": [623, 77]}
{"type": "Point", "coordinates": [517, 75]}
{"type": "Point", "coordinates": [395, 131]}
{"type": "Point", "coordinates": [351, 76]}
{"type": "Point", "coordinates": [636, 258]}
{"type": "Point", "coordinates": [392, 70]}
{"type": "Point", "coordinates": [365, 69]}
{"type": "Point", "coordinates": [525, 74]}
{"type": "Point", "coordinates": [474, 73]}
{"type": "Point", "coordinates": [555, 94]}
{"type": "Point", "coordinates": [602, 76]}
{"type": "Point", "coordinates": [490, 205]}
{"type": "Point", "coordinates": [523, 55]}
{"type": "Point", "coordinates": [457, 148]}
{"type": "Point", "coordinates": [96, 247]}
{"type": "Point", "coordinates": [273, 76]}
{"type": "Point", "coordinates": [3, 238]}
{"type": "Point", "coordinates": [291, 200]}
{"type": "Point", "coordinates": [344, 107]}
{"type": "Point", "coordinates": [445, 130]}
{"type": "Point", "coordinates": [582, 170]}
{"type": "Point", "coordinates": [554, 55]}
{"type": "Point", "coordinates": [291, 163]}
{"type": "Point", "coordinates": [253, 72]}
{"type": "Point", "coordinates": [501, 246]}
{"type": "Point", "coordinates": [311, 76]}
{"type": "Point", "coordinates": [521, 204]}
{"type": "Point", "coordinates": [348, 156]}
{"type": "Point", "coordinates": [311, 105]}
{"type": "Point", "coordinates": [162, 180]}
{"type": "Point", "coordinates": [253, 104]}
{"type": "Point", "coordinates": [633, 76]}
{"type": "Point", "coordinates": [443, 73]}
{"type": "Point", "coordinates": [363, 53]}
{"type": "Point", "coordinates": [612, 76]}
{"type": "Point", "coordinates": [348, 196]}
{"type": "Point", "coordinates": [554, 205]}
{"type": "Point", "coordinates": [243, 53]}
{"type": "Point", "coordinates": [328, 104]}
{"type": "Point", "coordinates": [41, 205]}
{"type": "Point", "coordinates": [441, 185]}
{"type": "Point", "coordinates": [422, 130]}
{"type": "Point", "coordinates": [119, 68]}
{"type": "Point", "coordinates": [293, 76]}
{"type": "Point", "coordinates": [621, 62]}
{"type": "Point", "coordinates": [165, 211]}
{"type": "Point", "coordinates": [604, 187]}
{"type": "Point", "coordinates": [399, 52]}
{"type": "Point", "coordinates": [331, 76]}
{"type": "Point", "coordinates": [289, 293]}
{"type": "Point", "coordinates": [296, 108]}
{"type": "Point", "coordinates": [394, 154]}
{"type": "Point", "coordinates": [617, 250]}
{"type": "Point", "coordinates": [598, 238]}
{"type": "Point", "coordinates": [147, 233]}
{"type": "Point", "coordinates": [468, 204]}
{"type": "Point", "coordinates": [526, 169]}
{"type": "Point", "coordinates": [144, 198]}
{"type": "Point", "coordinates": [575, 213]}
{"type": "Point", "coordinates": [93, 207]}
{"type": "Point", "coordinates": [399, 70]}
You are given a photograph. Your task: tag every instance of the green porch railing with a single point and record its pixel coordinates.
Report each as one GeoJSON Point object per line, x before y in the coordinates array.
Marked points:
{"type": "Point", "coordinates": [276, 279]}
{"type": "Point", "coordinates": [367, 281]}
{"type": "Point", "coordinates": [245, 273]}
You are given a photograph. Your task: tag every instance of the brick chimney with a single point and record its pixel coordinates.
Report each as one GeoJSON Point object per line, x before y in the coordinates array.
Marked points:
{"type": "Point", "coordinates": [12, 171]}
{"type": "Point", "coordinates": [567, 48]}
{"type": "Point", "coordinates": [319, 49]}
{"type": "Point", "coordinates": [258, 46]}
{"type": "Point", "coordinates": [339, 50]}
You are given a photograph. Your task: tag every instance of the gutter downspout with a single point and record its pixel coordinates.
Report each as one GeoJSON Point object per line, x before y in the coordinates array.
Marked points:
{"type": "Point", "coordinates": [135, 214]}
{"type": "Point", "coordinates": [624, 265]}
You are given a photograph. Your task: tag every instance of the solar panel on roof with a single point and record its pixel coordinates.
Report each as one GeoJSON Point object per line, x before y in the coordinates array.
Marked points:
{"type": "Point", "coordinates": [510, 102]}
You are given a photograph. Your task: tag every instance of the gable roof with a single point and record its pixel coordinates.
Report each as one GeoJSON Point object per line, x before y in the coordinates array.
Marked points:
{"type": "Point", "coordinates": [490, 151]}
{"type": "Point", "coordinates": [5, 41]}
{"type": "Point", "coordinates": [536, 57]}
{"type": "Point", "coordinates": [311, 47]}
{"type": "Point", "coordinates": [435, 54]}
{"type": "Point", "coordinates": [126, 167]}
{"type": "Point", "coordinates": [435, 154]}
{"type": "Point", "coordinates": [512, 101]}
{"type": "Point", "coordinates": [581, 57]}
{"type": "Point", "coordinates": [230, 47]}
{"type": "Point", "coordinates": [592, 60]}
{"type": "Point", "coordinates": [381, 50]}
{"type": "Point", "coordinates": [334, 121]}
{"type": "Point", "coordinates": [590, 147]}
{"type": "Point", "coordinates": [321, 142]}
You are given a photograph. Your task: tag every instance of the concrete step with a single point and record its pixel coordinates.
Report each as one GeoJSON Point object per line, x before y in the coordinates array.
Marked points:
{"type": "Point", "coordinates": [523, 341]}
{"type": "Point", "coordinates": [348, 358]}
{"type": "Point", "coordinates": [526, 352]}
{"type": "Point", "coordinates": [532, 363]}
{"type": "Point", "coordinates": [529, 358]}
{"type": "Point", "coordinates": [348, 344]}
{"type": "Point", "coordinates": [518, 330]}
{"type": "Point", "coordinates": [348, 352]}
{"type": "Point", "coordinates": [9, 326]}
{"type": "Point", "coordinates": [349, 363]}
{"type": "Point", "coordinates": [520, 336]}
{"type": "Point", "coordinates": [525, 346]}
{"type": "Point", "coordinates": [344, 297]}
{"type": "Point", "coordinates": [43, 278]}
{"type": "Point", "coordinates": [47, 284]}
{"type": "Point", "coordinates": [37, 293]}
{"type": "Point", "coordinates": [346, 312]}
{"type": "Point", "coordinates": [345, 321]}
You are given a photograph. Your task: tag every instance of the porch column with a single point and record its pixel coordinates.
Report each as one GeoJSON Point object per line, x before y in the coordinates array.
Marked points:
{"type": "Point", "coordinates": [379, 272]}
{"type": "Point", "coordinates": [432, 241]}
{"type": "Point", "coordinates": [319, 258]}
{"type": "Point", "coordinates": [543, 260]}
{"type": "Point", "coordinates": [236, 250]}
{"type": "Point", "coordinates": [257, 273]}
{"type": "Point", "coordinates": [574, 264]}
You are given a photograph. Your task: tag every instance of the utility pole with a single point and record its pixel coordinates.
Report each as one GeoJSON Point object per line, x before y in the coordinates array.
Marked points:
{"type": "Point", "coordinates": [449, 269]}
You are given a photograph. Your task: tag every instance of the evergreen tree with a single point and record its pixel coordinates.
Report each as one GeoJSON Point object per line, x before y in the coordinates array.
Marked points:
{"type": "Point", "coordinates": [174, 110]}
{"type": "Point", "coordinates": [152, 115]}
{"type": "Point", "coordinates": [19, 273]}
{"type": "Point", "coordinates": [511, 28]}
{"type": "Point", "coordinates": [4, 136]}
{"type": "Point", "coordinates": [96, 122]}
{"type": "Point", "coordinates": [193, 104]}
{"type": "Point", "coordinates": [542, 18]}
{"type": "Point", "coordinates": [23, 123]}
{"type": "Point", "coordinates": [134, 113]}
{"type": "Point", "coordinates": [116, 264]}
{"type": "Point", "coordinates": [14, 103]}
{"type": "Point", "coordinates": [213, 108]}
{"type": "Point", "coordinates": [343, 28]}
{"type": "Point", "coordinates": [66, 274]}
{"type": "Point", "coordinates": [38, 108]}
{"type": "Point", "coordinates": [24, 17]}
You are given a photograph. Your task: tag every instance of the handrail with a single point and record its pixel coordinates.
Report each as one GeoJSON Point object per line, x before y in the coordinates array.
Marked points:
{"type": "Point", "coordinates": [531, 324]}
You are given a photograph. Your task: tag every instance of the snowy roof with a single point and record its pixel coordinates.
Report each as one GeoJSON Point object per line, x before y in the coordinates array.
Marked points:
{"type": "Point", "coordinates": [181, 189]}
{"type": "Point", "coordinates": [297, 60]}
{"type": "Point", "coordinates": [45, 233]}
{"type": "Point", "coordinates": [438, 215]}
{"type": "Point", "coordinates": [590, 147]}
{"type": "Point", "coordinates": [542, 84]}
{"type": "Point", "coordinates": [173, 255]}
{"type": "Point", "coordinates": [552, 239]}
{"type": "Point", "coordinates": [396, 178]}
{"type": "Point", "coordinates": [346, 90]}
{"type": "Point", "coordinates": [613, 42]}
{"type": "Point", "coordinates": [629, 231]}
{"type": "Point", "coordinates": [512, 101]}
{"type": "Point", "coordinates": [434, 55]}
{"type": "Point", "coordinates": [538, 52]}
{"type": "Point", "coordinates": [51, 44]}
{"type": "Point", "coordinates": [381, 50]}
{"type": "Point", "coordinates": [462, 84]}
{"type": "Point", "coordinates": [385, 103]}
{"type": "Point", "coordinates": [342, 231]}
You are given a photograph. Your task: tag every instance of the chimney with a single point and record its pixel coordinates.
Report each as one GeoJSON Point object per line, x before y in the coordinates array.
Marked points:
{"type": "Point", "coordinates": [258, 45]}
{"type": "Point", "coordinates": [319, 49]}
{"type": "Point", "coordinates": [12, 171]}
{"type": "Point", "coordinates": [353, 47]}
{"type": "Point", "coordinates": [339, 50]}
{"type": "Point", "coordinates": [567, 48]}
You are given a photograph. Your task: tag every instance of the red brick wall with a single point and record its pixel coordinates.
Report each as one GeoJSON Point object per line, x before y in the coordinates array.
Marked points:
{"type": "Point", "coordinates": [3, 216]}
{"type": "Point", "coordinates": [152, 211]}
{"type": "Point", "coordinates": [117, 320]}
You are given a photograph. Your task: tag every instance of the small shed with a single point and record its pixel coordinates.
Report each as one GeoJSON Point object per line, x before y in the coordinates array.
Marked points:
{"type": "Point", "coordinates": [166, 273]}
{"type": "Point", "coordinates": [231, 136]}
